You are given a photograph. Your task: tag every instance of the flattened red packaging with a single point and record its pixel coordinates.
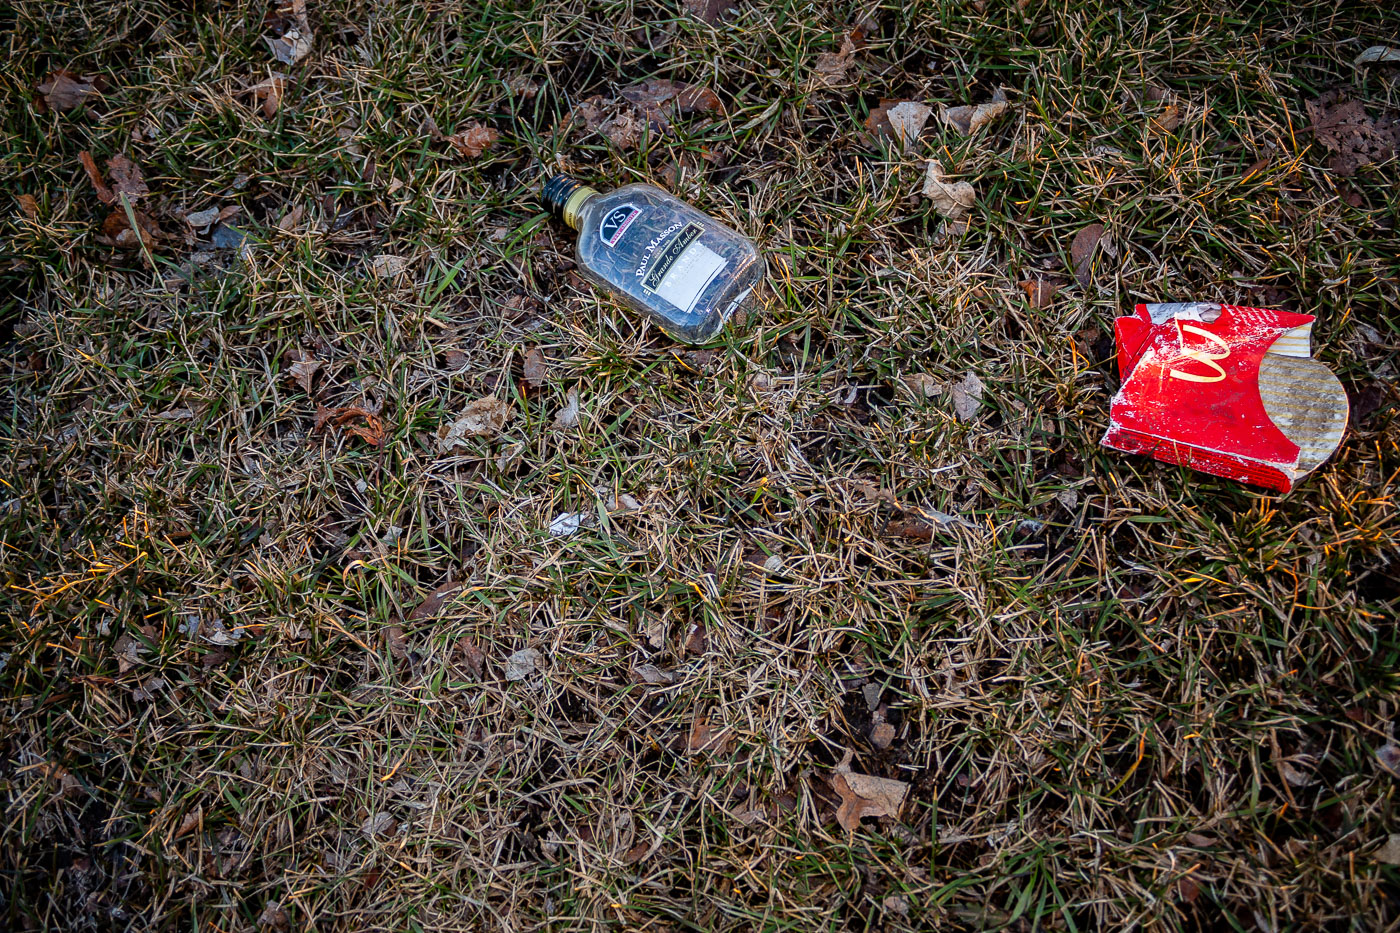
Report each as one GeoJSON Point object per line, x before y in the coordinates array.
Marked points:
{"type": "Point", "coordinates": [1226, 390]}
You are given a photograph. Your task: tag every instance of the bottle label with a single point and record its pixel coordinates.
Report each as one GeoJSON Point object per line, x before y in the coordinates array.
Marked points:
{"type": "Point", "coordinates": [680, 270]}
{"type": "Point", "coordinates": [615, 223]}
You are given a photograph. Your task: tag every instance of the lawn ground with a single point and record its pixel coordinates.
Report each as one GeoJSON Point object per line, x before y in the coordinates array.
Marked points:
{"type": "Point", "coordinates": [275, 658]}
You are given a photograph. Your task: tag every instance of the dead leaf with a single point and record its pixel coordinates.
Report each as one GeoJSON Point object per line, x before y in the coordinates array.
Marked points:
{"type": "Point", "coordinates": [907, 120]}
{"type": "Point", "coordinates": [125, 178]}
{"type": "Point", "coordinates": [1390, 852]}
{"type": "Point", "coordinates": [535, 369]}
{"type": "Point", "coordinates": [522, 86]}
{"type": "Point", "coordinates": [864, 795]}
{"type": "Point", "coordinates": [624, 129]}
{"type": "Point", "coordinates": [651, 674]}
{"type": "Point", "coordinates": [967, 397]}
{"type": "Point", "coordinates": [1081, 252]}
{"type": "Point", "coordinates": [970, 118]}
{"type": "Point", "coordinates": [1040, 292]}
{"type": "Point", "coordinates": [396, 641]}
{"type": "Point", "coordinates": [294, 43]}
{"type": "Point", "coordinates": [64, 90]}
{"type": "Point", "coordinates": [695, 641]}
{"type": "Point", "coordinates": [291, 219]}
{"type": "Point", "coordinates": [1389, 758]}
{"type": "Point", "coordinates": [201, 219]}
{"type": "Point", "coordinates": [523, 664]}
{"type": "Point", "coordinates": [455, 359]}
{"type": "Point", "coordinates": [697, 99]}
{"type": "Point", "coordinates": [1167, 119]}
{"type": "Point", "coordinates": [486, 417]}
{"type": "Point", "coordinates": [706, 738]}
{"type": "Point", "coordinates": [191, 822]}
{"type": "Point", "coordinates": [387, 267]}
{"type": "Point", "coordinates": [709, 11]}
{"type": "Point", "coordinates": [474, 140]}
{"type": "Point", "coordinates": [1377, 54]}
{"type": "Point", "coordinates": [270, 93]}
{"type": "Point", "coordinates": [881, 735]}
{"type": "Point", "coordinates": [474, 657]}
{"type": "Point", "coordinates": [116, 231]}
{"type": "Point", "coordinates": [104, 194]}
{"type": "Point", "coordinates": [567, 417]}
{"type": "Point", "coordinates": [952, 199]}
{"type": "Point", "coordinates": [303, 368]}
{"type": "Point", "coordinates": [432, 604]}
{"type": "Point", "coordinates": [660, 96]}
{"type": "Point", "coordinates": [380, 824]}
{"type": "Point", "coordinates": [921, 385]}
{"type": "Point", "coordinates": [353, 420]}
{"type": "Point", "coordinates": [128, 652]}
{"type": "Point", "coordinates": [274, 918]}
{"type": "Point", "coordinates": [1345, 129]}
{"type": "Point", "coordinates": [832, 69]}
{"type": "Point", "coordinates": [28, 206]}
{"type": "Point", "coordinates": [1188, 889]}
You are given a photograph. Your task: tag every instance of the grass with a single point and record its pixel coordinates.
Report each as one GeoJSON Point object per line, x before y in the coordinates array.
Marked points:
{"type": "Point", "coordinates": [1123, 695]}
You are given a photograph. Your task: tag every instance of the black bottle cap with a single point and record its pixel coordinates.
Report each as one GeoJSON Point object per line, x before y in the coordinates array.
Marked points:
{"type": "Point", "coordinates": [557, 191]}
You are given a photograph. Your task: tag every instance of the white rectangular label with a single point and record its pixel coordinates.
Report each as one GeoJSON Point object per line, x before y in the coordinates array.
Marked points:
{"type": "Point", "coordinates": [686, 279]}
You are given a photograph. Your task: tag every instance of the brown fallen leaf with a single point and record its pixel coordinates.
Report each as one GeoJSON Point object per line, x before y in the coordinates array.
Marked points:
{"type": "Point", "coordinates": [274, 918]}
{"type": "Point", "coordinates": [294, 40]}
{"type": "Point", "coordinates": [1040, 292]}
{"type": "Point", "coordinates": [864, 795]}
{"type": "Point", "coordinates": [566, 418]}
{"type": "Point", "coordinates": [125, 178]}
{"type": "Point", "coordinates": [1081, 252]}
{"type": "Point", "coordinates": [117, 232]}
{"type": "Point", "coordinates": [1352, 135]}
{"type": "Point", "coordinates": [104, 194]}
{"type": "Point", "coordinates": [291, 219]}
{"type": "Point", "coordinates": [705, 737]}
{"type": "Point", "coordinates": [486, 417]}
{"type": "Point", "coordinates": [396, 641]}
{"type": "Point", "coordinates": [475, 139]}
{"type": "Point", "coordinates": [28, 206]}
{"type": "Point", "coordinates": [63, 90]}
{"type": "Point", "coordinates": [709, 11]}
{"type": "Point", "coordinates": [433, 603]}
{"type": "Point", "coordinates": [535, 369]}
{"type": "Point", "coordinates": [970, 118]}
{"type": "Point", "coordinates": [191, 822]}
{"type": "Point", "coordinates": [907, 120]}
{"type": "Point", "coordinates": [472, 656]}
{"type": "Point", "coordinates": [881, 735]}
{"type": "Point", "coordinates": [661, 95]}
{"type": "Point", "coordinates": [952, 199]}
{"type": "Point", "coordinates": [302, 368]}
{"type": "Point", "coordinates": [1389, 757]}
{"type": "Point", "coordinates": [832, 69]}
{"type": "Point", "coordinates": [270, 93]}
{"type": "Point", "coordinates": [352, 420]}
{"type": "Point", "coordinates": [695, 641]}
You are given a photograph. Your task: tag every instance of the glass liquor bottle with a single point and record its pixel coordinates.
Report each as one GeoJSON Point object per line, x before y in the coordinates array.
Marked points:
{"type": "Point", "coordinates": [660, 256]}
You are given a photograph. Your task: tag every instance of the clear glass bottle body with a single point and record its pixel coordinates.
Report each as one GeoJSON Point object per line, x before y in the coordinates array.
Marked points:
{"type": "Point", "coordinates": [660, 256]}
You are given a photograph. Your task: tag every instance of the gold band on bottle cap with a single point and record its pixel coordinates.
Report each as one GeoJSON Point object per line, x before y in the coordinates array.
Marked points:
{"type": "Point", "coordinates": [575, 202]}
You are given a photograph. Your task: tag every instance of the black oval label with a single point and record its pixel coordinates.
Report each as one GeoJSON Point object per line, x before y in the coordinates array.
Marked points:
{"type": "Point", "coordinates": [615, 222]}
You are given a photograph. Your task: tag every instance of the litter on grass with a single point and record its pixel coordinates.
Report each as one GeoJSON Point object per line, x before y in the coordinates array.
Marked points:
{"type": "Point", "coordinates": [1225, 390]}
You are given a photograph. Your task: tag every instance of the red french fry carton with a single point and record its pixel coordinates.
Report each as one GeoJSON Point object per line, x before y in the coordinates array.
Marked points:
{"type": "Point", "coordinates": [1225, 390]}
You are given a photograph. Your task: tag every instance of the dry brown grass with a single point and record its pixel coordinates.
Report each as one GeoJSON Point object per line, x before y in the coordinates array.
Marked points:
{"type": "Point", "coordinates": [1122, 694]}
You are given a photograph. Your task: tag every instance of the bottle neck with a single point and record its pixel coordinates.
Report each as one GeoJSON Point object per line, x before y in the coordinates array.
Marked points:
{"type": "Point", "coordinates": [565, 197]}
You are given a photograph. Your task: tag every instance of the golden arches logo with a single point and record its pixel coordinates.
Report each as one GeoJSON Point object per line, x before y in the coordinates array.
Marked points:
{"type": "Point", "coordinates": [1202, 356]}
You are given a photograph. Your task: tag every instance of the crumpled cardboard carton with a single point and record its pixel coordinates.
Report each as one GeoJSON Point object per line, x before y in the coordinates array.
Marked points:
{"type": "Point", "coordinates": [1227, 390]}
